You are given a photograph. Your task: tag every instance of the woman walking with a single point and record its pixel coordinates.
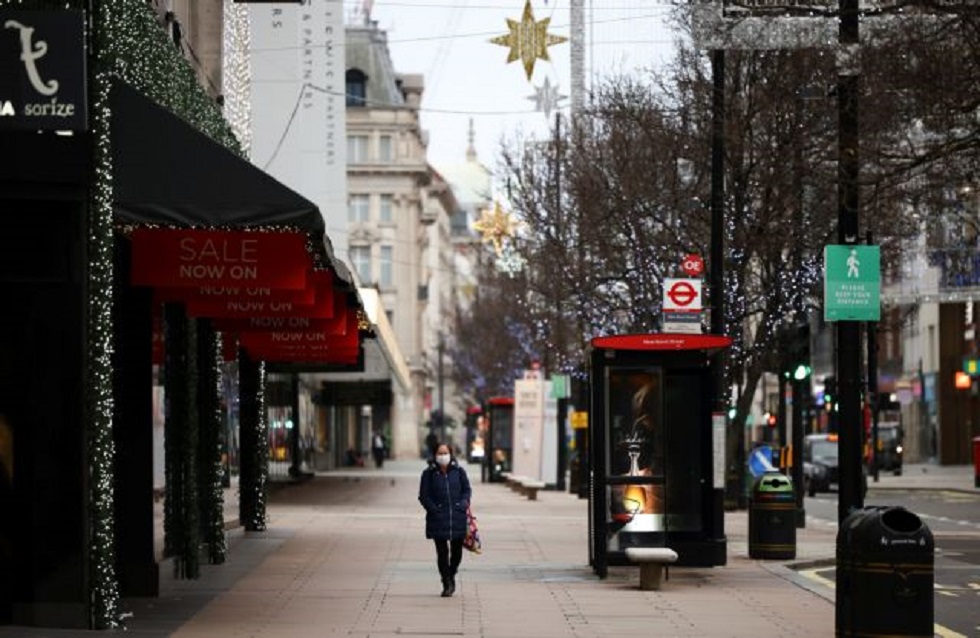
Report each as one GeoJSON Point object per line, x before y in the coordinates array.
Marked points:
{"type": "Point", "coordinates": [444, 492]}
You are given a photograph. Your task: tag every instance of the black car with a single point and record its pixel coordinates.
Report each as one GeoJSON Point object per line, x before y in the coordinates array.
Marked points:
{"type": "Point", "coordinates": [820, 463]}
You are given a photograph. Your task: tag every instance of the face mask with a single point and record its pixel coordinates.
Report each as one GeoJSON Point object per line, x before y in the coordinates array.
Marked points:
{"type": "Point", "coordinates": [442, 459]}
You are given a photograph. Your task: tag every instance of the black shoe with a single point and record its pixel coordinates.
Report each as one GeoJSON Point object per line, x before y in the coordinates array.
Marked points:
{"type": "Point", "coordinates": [450, 587]}
{"type": "Point", "coordinates": [447, 590]}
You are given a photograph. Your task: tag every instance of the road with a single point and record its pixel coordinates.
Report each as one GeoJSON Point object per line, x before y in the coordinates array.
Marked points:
{"type": "Point", "coordinates": [954, 518]}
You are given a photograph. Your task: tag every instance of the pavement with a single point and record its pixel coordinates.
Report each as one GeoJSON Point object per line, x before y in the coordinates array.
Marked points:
{"type": "Point", "coordinates": [345, 555]}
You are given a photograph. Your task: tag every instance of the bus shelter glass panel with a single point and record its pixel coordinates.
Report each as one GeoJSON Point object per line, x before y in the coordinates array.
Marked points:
{"type": "Point", "coordinates": [501, 438]}
{"type": "Point", "coordinates": [636, 473]}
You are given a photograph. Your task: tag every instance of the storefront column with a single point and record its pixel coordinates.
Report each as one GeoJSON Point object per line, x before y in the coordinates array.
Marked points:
{"type": "Point", "coordinates": [132, 433]}
{"type": "Point", "coordinates": [181, 506]}
{"type": "Point", "coordinates": [254, 444]}
{"type": "Point", "coordinates": [210, 421]}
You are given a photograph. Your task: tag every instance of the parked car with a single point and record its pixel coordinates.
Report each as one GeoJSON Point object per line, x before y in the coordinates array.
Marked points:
{"type": "Point", "coordinates": [821, 464]}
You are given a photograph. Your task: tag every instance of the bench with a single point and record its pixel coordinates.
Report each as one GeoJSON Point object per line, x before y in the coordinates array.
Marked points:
{"type": "Point", "coordinates": [652, 561]}
{"type": "Point", "coordinates": [530, 488]}
{"type": "Point", "coordinates": [514, 482]}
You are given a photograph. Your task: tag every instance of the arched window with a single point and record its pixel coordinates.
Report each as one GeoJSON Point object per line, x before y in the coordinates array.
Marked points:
{"type": "Point", "coordinates": [356, 87]}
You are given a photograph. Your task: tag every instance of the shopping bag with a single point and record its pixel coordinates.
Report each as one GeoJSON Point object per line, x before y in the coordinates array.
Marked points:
{"type": "Point", "coordinates": [472, 540]}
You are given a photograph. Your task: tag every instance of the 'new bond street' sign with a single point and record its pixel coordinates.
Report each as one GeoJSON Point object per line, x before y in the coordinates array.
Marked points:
{"type": "Point", "coordinates": [852, 283]}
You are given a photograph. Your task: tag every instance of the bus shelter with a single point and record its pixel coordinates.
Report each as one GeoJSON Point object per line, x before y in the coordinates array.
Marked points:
{"type": "Point", "coordinates": [498, 457]}
{"type": "Point", "coordinates": [655, 480]}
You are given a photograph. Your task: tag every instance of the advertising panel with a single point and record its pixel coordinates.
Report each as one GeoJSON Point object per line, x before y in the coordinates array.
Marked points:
{"type": "Point", "coordinates": [635, 456]}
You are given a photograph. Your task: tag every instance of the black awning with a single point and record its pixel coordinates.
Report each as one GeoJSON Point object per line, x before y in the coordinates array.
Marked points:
{"type": "Point", "coordinates": [167, 172]}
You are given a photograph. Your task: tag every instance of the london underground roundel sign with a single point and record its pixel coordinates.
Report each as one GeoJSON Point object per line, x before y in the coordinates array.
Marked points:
{"type": "Point", "coordinates": [682, 295]}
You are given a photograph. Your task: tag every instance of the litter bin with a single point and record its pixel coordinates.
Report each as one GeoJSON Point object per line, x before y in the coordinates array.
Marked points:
{"type": "Point", "coordinates": [772, 517]}
{"type": "Point", "coordinates": [885, 577]}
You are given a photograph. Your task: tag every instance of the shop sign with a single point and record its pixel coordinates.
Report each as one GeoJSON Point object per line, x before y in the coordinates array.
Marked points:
{"type": "Point", "coordinates": [304, 339]}
{"type": "Point", "coordinates": [42, 70]}
{"type": "Point", "coordinates": [336, 358]}
{"type": "Point", "coordinates": [305, 296]}
{"type": "Point", "coordinates": [334, 326]}
{"type": "Point", "coordinates": [326, 306]}
{"type": "Point", "coordinates": [204, 258]}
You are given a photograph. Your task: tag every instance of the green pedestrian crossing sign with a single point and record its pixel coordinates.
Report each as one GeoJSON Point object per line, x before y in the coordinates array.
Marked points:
{"type": "Point", "coordinates": [852, 283]}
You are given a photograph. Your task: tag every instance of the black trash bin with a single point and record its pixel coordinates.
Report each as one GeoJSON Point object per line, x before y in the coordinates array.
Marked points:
{"type": "Point", "coordinates": [772, 517]}
{"type": "Point", "coordinates": [885, 576]}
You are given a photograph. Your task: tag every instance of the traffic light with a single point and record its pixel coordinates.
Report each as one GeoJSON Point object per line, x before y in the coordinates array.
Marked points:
{"type": "Point", "coordinates": [829, 393]}
{"type": "Point", "coordinates": [798, 351]}
{"type": "Point", "coordinates": [771, 419]}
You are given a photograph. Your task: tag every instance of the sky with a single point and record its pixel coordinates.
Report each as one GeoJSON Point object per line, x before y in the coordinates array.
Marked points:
{"type": "Point", "coordinates": [466, 76]}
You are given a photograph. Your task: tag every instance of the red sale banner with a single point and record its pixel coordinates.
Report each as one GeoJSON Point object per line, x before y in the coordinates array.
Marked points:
{"type": "Point", "coordinates": [165, 257]}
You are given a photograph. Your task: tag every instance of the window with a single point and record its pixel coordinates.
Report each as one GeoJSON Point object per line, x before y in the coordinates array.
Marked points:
{"type": "Point", "coordinates": [356, 87]}
{"type": "Point", "coordinates": [386, 204]}
{"type": "Point", "coordinates": [360, 261]}
{"type": "Point", "coordinates": [386, 149]}
{"type": "Point", "coordinates": [357, 149]}
{"type": "Point", "coordinates": [358, 208]}
{"type": "Point", "coordinates": [385, 277]}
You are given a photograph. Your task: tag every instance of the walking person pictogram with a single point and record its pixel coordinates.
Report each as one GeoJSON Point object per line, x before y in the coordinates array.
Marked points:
{"type": "Point", "coordinates": [853, 264]}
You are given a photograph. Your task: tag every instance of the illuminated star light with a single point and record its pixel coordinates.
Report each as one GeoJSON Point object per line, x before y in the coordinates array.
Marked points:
{"type": "Point", "coordinates": [495, 225]}
{"type": "Point", "coordinates": [528, 39]}
{"type": "Point", "coordinates": [510, 262]}
{"type": "Point", "coordinates": [546, 98]}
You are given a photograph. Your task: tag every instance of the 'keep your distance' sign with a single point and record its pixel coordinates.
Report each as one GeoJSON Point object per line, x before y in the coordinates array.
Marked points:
{"type": "Point", "coordinates": [852, 283]}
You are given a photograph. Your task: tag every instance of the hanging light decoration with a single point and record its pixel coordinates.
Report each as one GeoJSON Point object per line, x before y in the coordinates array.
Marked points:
{"type": "Point", "coordinates": [528, 40]}
{"type": "Point", "coordinates": [496, 226]}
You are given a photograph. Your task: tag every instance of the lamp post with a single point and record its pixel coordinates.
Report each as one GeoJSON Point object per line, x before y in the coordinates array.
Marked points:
{"type": "Point", "coordinates": [850, 496]}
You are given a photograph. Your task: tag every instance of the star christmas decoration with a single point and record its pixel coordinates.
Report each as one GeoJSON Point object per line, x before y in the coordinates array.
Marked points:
{"type": "Point", "coordinates": [495, 225]}
{"type": "Point", "coordinates": [528, 39]}
{"type": "Point", "coordinates": [546, 97]}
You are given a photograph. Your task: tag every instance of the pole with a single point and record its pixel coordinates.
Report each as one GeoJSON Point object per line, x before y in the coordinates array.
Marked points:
{"type": "Point", "coordinates": [562, 407]}
{"type": "Point", "coordinates": [735, 432]}
{"type": "Point", "coordinates": [848, 200]}
{"type": "Point", "coordinates": [801, 394]}
{"type": "Point", "coordinates": [294, 433]}
{"type": "Point", "coordinates": [442, 404]}
{"type": "Point", "coordinates": [873, 388]}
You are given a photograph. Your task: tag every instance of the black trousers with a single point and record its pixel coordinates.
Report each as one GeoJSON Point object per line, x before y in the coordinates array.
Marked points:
{"type": "Point", "coordinates": [449, 553]}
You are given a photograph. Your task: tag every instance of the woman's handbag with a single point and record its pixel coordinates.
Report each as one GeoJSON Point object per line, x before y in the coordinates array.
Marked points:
{"type": "Point", "coordinates": [472, 540]}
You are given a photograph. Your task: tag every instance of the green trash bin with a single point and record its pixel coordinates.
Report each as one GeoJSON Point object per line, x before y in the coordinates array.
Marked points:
{"type": "Point", "coordinates": [772, 517]}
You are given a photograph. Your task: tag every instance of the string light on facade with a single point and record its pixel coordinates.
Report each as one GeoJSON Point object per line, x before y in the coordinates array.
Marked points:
{"type": "Point", "coordinates": [528, 40]}
{"type": "Point", "coordinates": [236, 73]}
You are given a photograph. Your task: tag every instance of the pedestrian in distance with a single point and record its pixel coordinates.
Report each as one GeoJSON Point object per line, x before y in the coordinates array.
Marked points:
{"type": "Point", "coordinates": [445, 492]}
{"type": "Point", "coordinates": [378, 449]}
{"type": "Point", "coordinates": [431, 443]}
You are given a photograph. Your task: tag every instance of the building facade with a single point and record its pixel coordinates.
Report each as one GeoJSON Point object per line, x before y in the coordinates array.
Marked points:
{"type": "Point", "coordinates": [397, 220]}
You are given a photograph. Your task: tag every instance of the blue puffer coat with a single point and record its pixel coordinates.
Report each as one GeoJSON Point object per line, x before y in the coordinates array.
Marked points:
{"type": "Point", "coordinates": [445, 498]}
